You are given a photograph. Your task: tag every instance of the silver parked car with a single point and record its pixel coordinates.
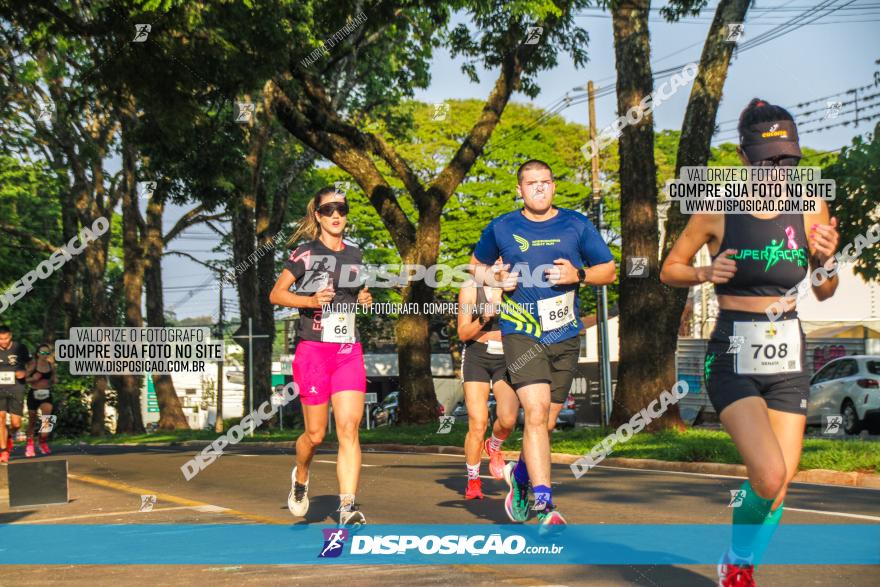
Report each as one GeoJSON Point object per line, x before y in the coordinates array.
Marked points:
{"type": "Point", "coordinates": [847, 387]}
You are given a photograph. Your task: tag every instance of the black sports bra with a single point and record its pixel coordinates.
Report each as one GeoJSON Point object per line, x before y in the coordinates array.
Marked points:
{"type": "Point", "coordinates": [772, 254]}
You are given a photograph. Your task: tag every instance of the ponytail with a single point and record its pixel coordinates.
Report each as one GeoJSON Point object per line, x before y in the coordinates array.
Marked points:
{"type": "Point", "coordinates": [758, 111]}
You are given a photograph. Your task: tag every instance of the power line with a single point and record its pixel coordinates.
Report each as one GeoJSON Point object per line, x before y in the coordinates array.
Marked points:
{"type": "Point", "coordinates": [735, 121]}
{"type": "Point", "coordinates": [870, 102]}
{"type": "Point", "coordinates": [844, 123]}
{"type": "Point", "coordinates": [821, 10]}
{"type": "Point", "coordinates": [781, 8]}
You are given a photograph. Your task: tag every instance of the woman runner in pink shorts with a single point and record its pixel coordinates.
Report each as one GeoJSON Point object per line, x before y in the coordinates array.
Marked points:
{"type": "Point", "coordinates": [328, 365]}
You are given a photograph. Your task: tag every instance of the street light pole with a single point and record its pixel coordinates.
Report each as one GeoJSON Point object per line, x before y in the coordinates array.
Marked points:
{"type": "Point", "coordinates": [218, 420]}
{"type": "Point", "coordinates": [601, 291]}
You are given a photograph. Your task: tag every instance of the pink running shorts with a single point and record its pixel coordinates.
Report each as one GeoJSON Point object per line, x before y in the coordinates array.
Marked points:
{"type": "Point", "coordinates": [321, 369]}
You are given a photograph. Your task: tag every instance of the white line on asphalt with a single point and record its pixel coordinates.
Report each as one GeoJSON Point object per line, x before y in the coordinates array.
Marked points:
{"type": "Point", "coordinates": [712, 475]}
{"type": "Point", "coordinates": [790, 509]}
{"type": "Point", "coordinates": [201, 508]}
{"type": "Point", "coordinates": [840, 514]}
{"type": "Point", "coordinates": [334, 462]}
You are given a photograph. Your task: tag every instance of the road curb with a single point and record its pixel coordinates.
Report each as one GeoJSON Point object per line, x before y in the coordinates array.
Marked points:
{"type": "Point", "coordinates": [812, 476]}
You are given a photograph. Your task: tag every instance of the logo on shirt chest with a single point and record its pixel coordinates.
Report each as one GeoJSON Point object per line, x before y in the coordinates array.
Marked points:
{"type": "Point", "coordinates": [524, 243]}
{"type": "Point", "coordinates": [783, 250]}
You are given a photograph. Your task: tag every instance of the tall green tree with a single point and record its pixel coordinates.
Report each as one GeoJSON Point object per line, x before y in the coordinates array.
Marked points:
{"type": "Point", "coordinates": [856, 172]}
{"type": "Point", "coordinates": [389, 49]}
{"type": "Point", "coordinates": [647, 356]}
{"type": "Point", "coordinates": [490, 188]}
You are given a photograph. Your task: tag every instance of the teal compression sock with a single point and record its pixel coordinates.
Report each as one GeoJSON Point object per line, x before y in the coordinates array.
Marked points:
{"type": "Point", "coordinates": [748, 518]}
{"type": "Point", "coordinates": [765, 533]}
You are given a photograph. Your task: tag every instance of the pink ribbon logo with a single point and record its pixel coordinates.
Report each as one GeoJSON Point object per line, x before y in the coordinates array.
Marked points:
{"type": "Point", "coordinates": [789, 232]}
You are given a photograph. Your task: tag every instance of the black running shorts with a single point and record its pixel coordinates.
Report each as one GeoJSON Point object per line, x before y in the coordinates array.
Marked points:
{"type": "Point", "coordinates": [530, 361]}
{"type": "Point", "coordinates": [480, 366]}
{"type": "Point", "coordinates": [12, 402]}
{"type": "Point", "coordinates": [34, 403]}
{"type": "Point", "coordinates": [784, 392]}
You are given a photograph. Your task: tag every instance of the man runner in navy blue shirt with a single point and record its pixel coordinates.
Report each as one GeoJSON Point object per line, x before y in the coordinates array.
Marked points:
{"type": "Point", "coordinates": [548, 253]}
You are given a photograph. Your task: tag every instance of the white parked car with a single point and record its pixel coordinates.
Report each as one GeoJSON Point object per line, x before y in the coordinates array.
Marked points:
{"type": "Point", "coordinates": [847, 387]}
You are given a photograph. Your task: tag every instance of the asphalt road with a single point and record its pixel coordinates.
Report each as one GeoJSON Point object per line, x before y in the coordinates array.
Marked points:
{"type": "Point", "coordinates": [250, 484]}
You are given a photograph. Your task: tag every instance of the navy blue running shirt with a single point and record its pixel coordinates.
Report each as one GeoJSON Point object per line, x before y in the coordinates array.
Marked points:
{"type": "Point", "coordinates": [527, 243]}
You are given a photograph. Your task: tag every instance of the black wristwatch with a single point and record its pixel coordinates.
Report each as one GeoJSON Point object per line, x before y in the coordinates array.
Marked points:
{"type": "Point", "coordinates": [482, 319]}
{"type": "Point", "coordinates": [581, 275]}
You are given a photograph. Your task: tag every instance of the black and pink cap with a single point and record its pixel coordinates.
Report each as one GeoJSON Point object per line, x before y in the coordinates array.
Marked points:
{"type": "Point", "coordinates": [769, 140]}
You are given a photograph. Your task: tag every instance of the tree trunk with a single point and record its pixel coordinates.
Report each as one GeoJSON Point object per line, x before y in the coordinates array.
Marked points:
{"type": "Point", "coordinates": [243, 237]}
{"type": "Point", "coordinates": [95, 261]}
{"type": "Point", "coordinates": [647, 362]}
{"type": "Point", "coordinates": [171, 416]}
{"type": "Point", "coordinates": [419, 400]}
{"type": "Point", "coordinates": [644, 369]}
{"type": "Point", "coordinates": [702, 109]}
{"type": "Point", "coordinates": [68, 286]}
{"type": "Point", "coordinates": [252, 222]}
{"type": "Point", "coordinates": [83, 160]}
{"type": "Point", "coordinates": [129, 393]}
{"type": "Point", "coordinates": [314, 118]}
{"type": "Point", "coordinates": [265, 319]}
{"type": "Point", "coordinates": [694, 147]}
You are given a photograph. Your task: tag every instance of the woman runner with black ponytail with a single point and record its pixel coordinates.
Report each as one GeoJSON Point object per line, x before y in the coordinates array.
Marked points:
{"type": "Point", "coordinates": [761, 400]}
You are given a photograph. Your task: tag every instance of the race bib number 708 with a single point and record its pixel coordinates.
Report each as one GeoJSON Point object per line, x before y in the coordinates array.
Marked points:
{"type": "Point", "coordinates": [768, 347]}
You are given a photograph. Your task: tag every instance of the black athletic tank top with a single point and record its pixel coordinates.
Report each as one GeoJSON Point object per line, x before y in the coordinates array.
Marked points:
{"type": "Point", "coordinates": [771, 254]}
{"type": "Point", "coordinates": [492, 324]}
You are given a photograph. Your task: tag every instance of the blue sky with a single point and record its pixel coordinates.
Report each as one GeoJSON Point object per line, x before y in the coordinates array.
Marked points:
{"type": "Point", "coordinates": [834, 54]}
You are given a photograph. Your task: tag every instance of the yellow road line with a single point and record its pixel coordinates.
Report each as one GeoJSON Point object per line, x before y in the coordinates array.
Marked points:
{"type": "Point", "coordinates": [166, 497]}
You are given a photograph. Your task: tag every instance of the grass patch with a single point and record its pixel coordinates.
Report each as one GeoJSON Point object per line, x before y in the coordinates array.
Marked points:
{"type": "Point", "coordinates": [692, 445]}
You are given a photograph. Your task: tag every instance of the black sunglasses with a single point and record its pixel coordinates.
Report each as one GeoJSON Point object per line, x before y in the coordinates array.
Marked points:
{"type": "Point", "coordinates": [779, 162]}
{"type": "Point", "coordinates": [329, 208]}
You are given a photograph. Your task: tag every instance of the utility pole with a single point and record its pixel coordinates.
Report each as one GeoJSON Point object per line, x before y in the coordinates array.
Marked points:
{"type": "Point", "coordinates": [218, 423]}
{"type": "Point", "coordinates": [857, 106]}
{"type": "Point", "coordinates": [601, 291]}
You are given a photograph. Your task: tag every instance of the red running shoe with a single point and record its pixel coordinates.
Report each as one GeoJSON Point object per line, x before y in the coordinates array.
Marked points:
{"type": "Point", "coordinates": [496, 461]}
{"type": "Point", "coordinates": [29, 449]}
{"type": "Point", "coordinates": [4, 456]}
{"type": "Point", "coordinates": [730, 575]}
{"type": "Point", "coordinates": [474, 489]}
{"type": "Point", "coordinates": [44, 448]}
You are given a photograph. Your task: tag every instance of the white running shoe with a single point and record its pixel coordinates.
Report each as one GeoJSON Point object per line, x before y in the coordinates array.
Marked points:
{"type": "Point", "coordinates": [298, 498]}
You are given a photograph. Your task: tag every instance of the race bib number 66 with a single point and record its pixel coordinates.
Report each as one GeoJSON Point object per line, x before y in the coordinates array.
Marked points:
{"type": "Point", "coordinates": [768, 347]}
{"type": "Point", "coordinates": [337, 327]}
